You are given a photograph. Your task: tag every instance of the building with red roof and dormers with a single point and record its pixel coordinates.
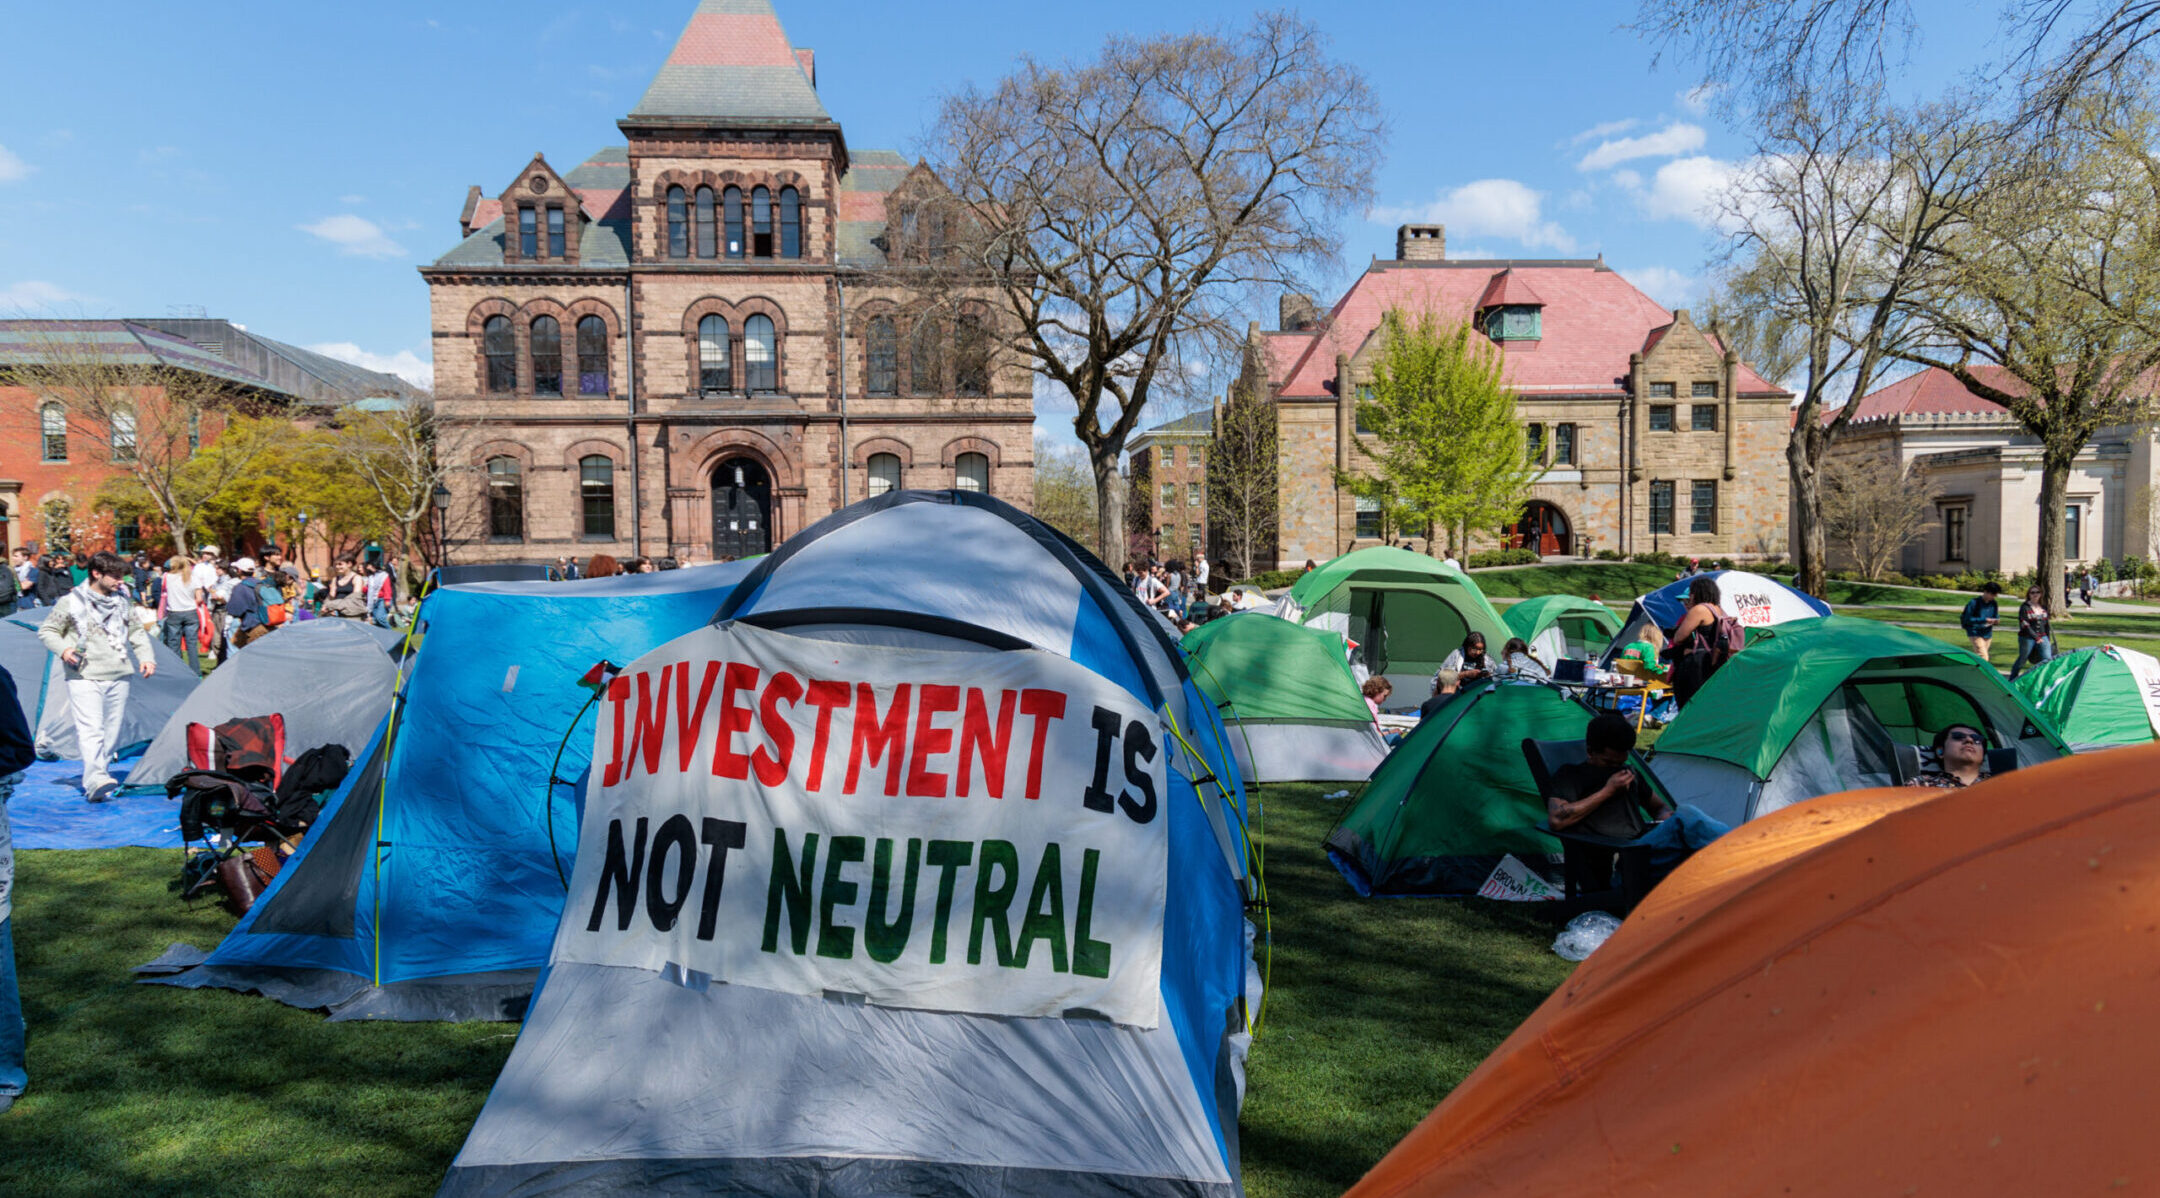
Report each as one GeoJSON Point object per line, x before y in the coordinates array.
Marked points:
{"type": "Point", "coordinates": [696, 343]}
{"type": "Point", "coordinates": [1982, 472]}
{"type": "Point", "coordinates": [1654, 436]}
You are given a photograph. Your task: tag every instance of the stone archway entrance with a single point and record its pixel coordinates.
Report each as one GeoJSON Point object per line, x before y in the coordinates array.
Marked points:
{"type": "Point", "coordinates": [1543, 529]}
{"type": "Point", "coordinates": [741, 509]}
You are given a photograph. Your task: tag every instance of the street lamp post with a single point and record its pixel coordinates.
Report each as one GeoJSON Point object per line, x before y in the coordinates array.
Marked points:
{"type": "Point", "coordinates": [302, 518]}
{"type": "Point", "coordinates": [441, 495]}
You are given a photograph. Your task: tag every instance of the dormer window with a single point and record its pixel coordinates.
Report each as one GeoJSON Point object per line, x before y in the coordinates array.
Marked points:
{"type": "Point", "coordinates": [1515, 322]}
{"type": "Point", "coordinates": [528, 234]}
{"type": "Point", "coordinates": [556, 238]}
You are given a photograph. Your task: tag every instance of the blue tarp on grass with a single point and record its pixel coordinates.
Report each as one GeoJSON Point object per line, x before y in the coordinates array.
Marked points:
{"type": "Point", "coordinates": [48, 811]}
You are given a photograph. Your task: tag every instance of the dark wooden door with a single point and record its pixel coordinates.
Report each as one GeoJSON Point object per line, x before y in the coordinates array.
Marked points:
{"type": "Point", "coordinates": [742, 510]}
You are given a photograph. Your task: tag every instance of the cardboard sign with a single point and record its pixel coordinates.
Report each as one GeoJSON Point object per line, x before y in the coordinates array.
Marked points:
{"type": "Point", "coordinates": [954, 830]}
{"type": "Point", "coordinates": [1513, 881]}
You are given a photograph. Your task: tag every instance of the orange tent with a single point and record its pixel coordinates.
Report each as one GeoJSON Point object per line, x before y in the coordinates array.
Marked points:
{"type": "Point", "coordinates": [1885, 992]}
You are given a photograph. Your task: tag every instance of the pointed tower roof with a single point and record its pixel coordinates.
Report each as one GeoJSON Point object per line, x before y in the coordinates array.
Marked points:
{"type": "Point", "coordinates": [733, 63]}
{"type": "Point", "coordinates": [1506, 289]}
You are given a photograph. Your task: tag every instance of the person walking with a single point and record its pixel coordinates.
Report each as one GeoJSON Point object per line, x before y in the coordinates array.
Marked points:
{"type": "Point", "coordinates": [244, 606]}
{"type": "Point", "coordinates": [16, 755]}
{"type": "Point", "coordinates": [1200, 573]}
{"type": "Point", "coordinates": [2087, 584]}
{"type": "Point", "coordinates": [93, 631]}
{"type": "Point", "coordinates": [2036, 632]}
{"type": "Point", "coordinates": [179, 616]}
{"type": "Point", "coordinates": [1980, 618]}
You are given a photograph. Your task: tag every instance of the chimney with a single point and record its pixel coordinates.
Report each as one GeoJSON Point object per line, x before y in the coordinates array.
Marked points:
{"type": "Point", "coordinates": [808, 60]}
{"type": "Point", "coordinates": [472, 205]}
{"type": "Point", "coordinates": [1296, 313]}
{"type": "Point", "coordinates": [1421, 243]}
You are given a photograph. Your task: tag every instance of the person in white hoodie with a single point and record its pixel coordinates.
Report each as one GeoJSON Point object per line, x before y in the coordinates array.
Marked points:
{"type": "Point", "coordinates": [94, 633]}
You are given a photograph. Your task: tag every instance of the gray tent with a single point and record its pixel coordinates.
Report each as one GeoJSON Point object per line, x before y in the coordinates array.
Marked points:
{"type": "Point", "coordinates": [42, 691]}
{"type": "Point", "coordinates": [329, 679]}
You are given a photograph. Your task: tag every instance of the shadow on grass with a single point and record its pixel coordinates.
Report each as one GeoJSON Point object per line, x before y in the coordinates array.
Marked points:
{"type": "Point", "coordinates": [152, 1090]}
{"type": "Point", "coordinates": [1377, 1007]}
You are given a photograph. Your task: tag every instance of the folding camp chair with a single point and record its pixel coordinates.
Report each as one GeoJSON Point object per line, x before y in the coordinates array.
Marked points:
{"type": "Point", "coordinates": [1587, 859]}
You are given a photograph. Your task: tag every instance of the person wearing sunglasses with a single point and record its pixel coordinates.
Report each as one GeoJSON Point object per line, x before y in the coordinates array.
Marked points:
{"type": "Point", "coordinates": [1962, 751]}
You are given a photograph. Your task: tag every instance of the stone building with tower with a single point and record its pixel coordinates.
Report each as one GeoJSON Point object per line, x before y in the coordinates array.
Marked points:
{"type": "Point", "coordinates": [698, 342]}
{"type": "Point", "coordinates": [1653, 435]}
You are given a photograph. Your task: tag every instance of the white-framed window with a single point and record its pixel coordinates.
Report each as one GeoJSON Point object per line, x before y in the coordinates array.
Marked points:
{"type": "Point", "coordinates": [884, 473]}
{"type": "Point", "coordinates": [971, 472]}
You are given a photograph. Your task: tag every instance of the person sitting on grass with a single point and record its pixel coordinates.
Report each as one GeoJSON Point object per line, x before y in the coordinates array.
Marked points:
{"type": "Point", "coordinates": [1961, 751]}
{"type": "Point", "coordinates": [1612, 800]}
{"type": "Point", "coordinates": [1517, 660]}
{"type": "Point", "coordinates": [1445, 686]}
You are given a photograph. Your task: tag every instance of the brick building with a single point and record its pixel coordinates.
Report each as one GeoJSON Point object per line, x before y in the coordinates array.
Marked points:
{"type": "Point", "coordinates": [1169, 462]}
{"type": "Point", "coordinates": [52, 462]}
{"type": "Point", "coordinates": [1982, 472]}
{"type": "Point", "coordinates": [1654, 436]}
{"type": "Point", "coordinates": [700, 341]}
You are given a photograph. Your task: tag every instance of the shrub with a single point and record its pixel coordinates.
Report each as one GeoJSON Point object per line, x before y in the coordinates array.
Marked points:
{"type": "Point", "coordinates": [1666, 560]}
{"type": "Point", "coordinates": [2105, 571]}
{"type": "Point", "coordinates": [1610, 555]}
{"type": "Point", "coordinates": [1268, 580]}
{"type": "Point", "coordinates": [1502, 557]}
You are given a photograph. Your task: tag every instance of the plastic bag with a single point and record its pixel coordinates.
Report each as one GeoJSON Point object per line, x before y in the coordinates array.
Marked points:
{"type": "Point", "coordinates": [1584, 934]}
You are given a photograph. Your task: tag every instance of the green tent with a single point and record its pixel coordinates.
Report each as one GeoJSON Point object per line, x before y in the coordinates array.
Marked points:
{"type": "Point", "coordinates": [1292, 708]}
{"type": "Point", "coordinates": [1456, 795]}
{"type": "Point", "coordinates": [1558, 626]}
{"type": "Point", "coordinates": [2099, 697]}
{"type": "Point", "coordinates": [1406, 611]}
{"type": "Point", "coordinates": [1814, 707]}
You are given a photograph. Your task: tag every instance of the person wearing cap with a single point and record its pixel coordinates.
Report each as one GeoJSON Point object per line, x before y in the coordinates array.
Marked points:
{"type": "Point", "coordinates": [244, 606]}
{"type": "Point", "coordinates": [94, 633]}
{"type": "Point", "coordinates": [204, 577]}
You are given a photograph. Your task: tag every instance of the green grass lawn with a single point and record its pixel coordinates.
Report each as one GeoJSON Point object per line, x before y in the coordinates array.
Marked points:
{"type": "Point", "coordinates": [1378, 1007]}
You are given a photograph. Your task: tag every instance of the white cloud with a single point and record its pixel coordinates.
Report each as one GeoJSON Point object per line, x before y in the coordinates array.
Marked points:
{"type": "Point", "coordinates": [36, 296]}
{"type": "Point", "coordinates": [355, 235]}
{"type": "Point", "coordinates": [1697, 99]}
{"type": "Point", "coordinates": [1667, 286]}
{"type": "Point", "coordinates": [12, 167]}
{"type": "Point", "coordinates": [1679, 137]}
{"type": "Point", "coordinates": [1489, 208]}
{"type": "Point", "coordinates": [1604, 129]}
{"type": "Point", "coordinates": [1627, 178]}
{"type": "Point", "coordinates": [1689, 189]}
{"type": "Point", "coordinates": [404, 363]}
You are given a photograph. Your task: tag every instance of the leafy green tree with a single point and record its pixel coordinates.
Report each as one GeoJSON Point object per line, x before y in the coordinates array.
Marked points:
{"type": "Point", "coordinates": [1450, 453]}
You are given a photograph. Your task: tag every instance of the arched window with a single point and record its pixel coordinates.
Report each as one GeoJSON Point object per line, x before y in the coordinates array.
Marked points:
{"type": "Point", "coordinates": [678, 223]}
{"type": "Point", "coordinates": [123, 435]}
{"type": "Point", "coordinates": [528, 234]}
{"type": "Point", "coordinates": [596, 496]}
{"type": "Point", "coordinates": [704, 222]}
{"type": "Point", "coordinates": [505, 499]}
{"type": "Point", "coordinates": [501, 348]}
{"type": "Point", "coordinates": [761, 359]}
{"type": "Point", "coordinates": [52, 421]}
{"type": "Point", "coordinates": [790, 223]}
{"type": "Point", "coordinates": [925, 349]}
{"type": "Point", "coordinates": [731, 208]}
{"type": "Point", "coordinates": [592, 356]}
{"type": "Point", "coordinates": [558, 242]}
{"type": "Point", "coordinates": [760, 223]}
{"type": "Point", "coordinates": [884, 356]}
{"type": "Point", "coordinates": [884, 473]}
{"type": "Point", "coordinates": [971, 355]}
{"type": "Point", "coordinates": [716, 373]}
{"type": "Point", "coordinates": [546, 356]}
{"type": "Point", "coordinates": [971, 472]}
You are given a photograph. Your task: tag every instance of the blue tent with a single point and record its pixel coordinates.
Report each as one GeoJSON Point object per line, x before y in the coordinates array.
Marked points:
{"type": "Point", "coordinates": [630, 1080]}
{"type": "Point", "coordinates": [429, 887]}
{"type": "Point", "coordinates": [1754, 600]}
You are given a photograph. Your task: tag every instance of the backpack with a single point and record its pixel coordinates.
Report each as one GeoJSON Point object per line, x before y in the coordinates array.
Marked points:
{"type": "Point", "coordinates": [1727, 637]}
{"type": "Point", "coordinates": [272, 599]}
{"type": "Point", "coordinates": [316, 772]}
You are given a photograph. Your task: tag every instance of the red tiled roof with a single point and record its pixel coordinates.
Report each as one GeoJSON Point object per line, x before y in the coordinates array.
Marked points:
{"type": "Point", "coordinates": [733, 40]}
{"type": "Point", "coordinates": [1931, 392]}
{"type": "Point", "coordinates": [1593, 319]}
{"type": "Point", "coordinates": [486, 212]}
{"type": "Point", "coordinates": [862, 205]}
{"type": "Point", "coordinates": [1507, 289]}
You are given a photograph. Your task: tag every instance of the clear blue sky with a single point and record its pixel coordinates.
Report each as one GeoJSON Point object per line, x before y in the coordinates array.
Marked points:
{"type": "Point", "coordinates": [287, 166]}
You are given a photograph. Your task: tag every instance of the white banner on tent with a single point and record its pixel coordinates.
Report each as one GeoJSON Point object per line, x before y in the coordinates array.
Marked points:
{"type": "Point", "coordinates": [2146, 672]}
{"type": "Point", "coordinates": [1512, 881]}
{"type": "Point", "coordinates": [952, 830]}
